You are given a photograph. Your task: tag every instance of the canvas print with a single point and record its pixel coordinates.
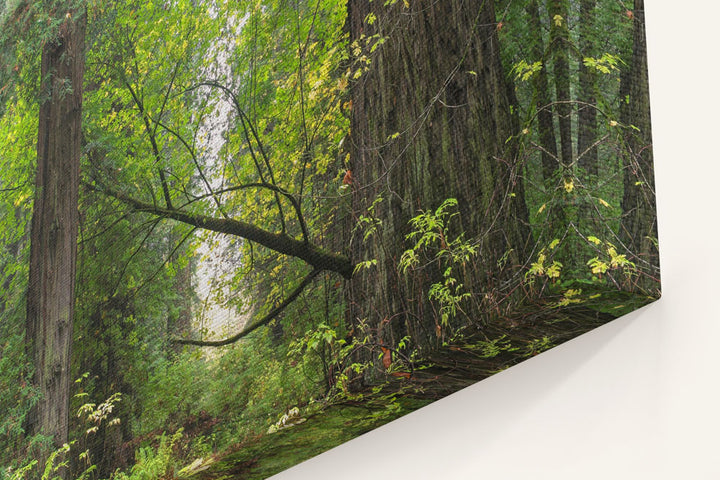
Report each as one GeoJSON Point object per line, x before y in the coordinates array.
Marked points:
{"type": "Point", "coordinates": [235, 234]}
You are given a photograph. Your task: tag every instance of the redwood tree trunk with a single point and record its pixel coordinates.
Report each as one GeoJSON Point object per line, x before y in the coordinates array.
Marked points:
{"type": "Point", "coordinates": [431, 120]}
{"type": "Point", "coordinates": [638, 228]}
{"type": "Point", "coordinates": [53, 238]}
{"type": "Point", "coordinates": [551, 161]}
{"type": "Point", "coordinates": [587, 115]}
{"type": "Point", "coordinates": [543, 98]}
{"type": "Point", "coordinates": [559, 48]}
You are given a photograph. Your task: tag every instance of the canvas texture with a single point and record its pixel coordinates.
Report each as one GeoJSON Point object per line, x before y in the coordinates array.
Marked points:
{"type": "Point", "coordinates": [238, 234]}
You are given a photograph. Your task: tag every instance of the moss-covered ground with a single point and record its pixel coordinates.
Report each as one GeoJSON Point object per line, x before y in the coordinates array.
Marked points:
{"type": "Point", "coordinates": [273, 453]}
{"type": "Point", "coordinates": [460, 363]}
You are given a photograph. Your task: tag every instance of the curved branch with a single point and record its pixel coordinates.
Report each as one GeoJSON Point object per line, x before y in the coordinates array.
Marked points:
{"type": "Point", "coordinates": [279, 242]}
{"type": "Point", "coordinates": [248, 128]}
{"type": "Point", "coordinates": [263, 321]}
{"type": "Point", "coordinates": [198, 167]}
{"type": "Point", "coordinates": [294, 201]}
{"type": "Point", "coordinates": [175, 249]}
{"type": "Point", "coordinates": [153, 142]}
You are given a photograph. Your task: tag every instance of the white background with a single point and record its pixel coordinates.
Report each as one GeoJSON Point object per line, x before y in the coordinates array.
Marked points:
{"type": "Point", "coordinates": [636, 399]}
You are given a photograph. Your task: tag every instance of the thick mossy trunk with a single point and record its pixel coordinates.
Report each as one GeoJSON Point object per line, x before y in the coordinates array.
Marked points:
{"type": "Point", "coordinates": [53, 238]}
{"type": "Point", "coordinates": [638, 228]}
{"type": "Point", "coordinates": [431, 119]}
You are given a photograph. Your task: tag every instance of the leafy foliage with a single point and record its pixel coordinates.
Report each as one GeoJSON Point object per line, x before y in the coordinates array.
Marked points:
{"type": "Point", "coordinates": [241, 111]}
{"type": "Point", "coordinates": [154, 463]}
{"type": "Point", "coordinates": [430, 235]}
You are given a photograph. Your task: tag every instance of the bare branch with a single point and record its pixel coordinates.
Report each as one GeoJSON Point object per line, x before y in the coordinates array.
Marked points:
{"type": "Point", "coordinates": [248, 129]}
{"type": "Point", "coordinates": [279, 242]}
{"type": "Point", "coordinates": [263, 321]}
{"type": "Point", "coordinates": [198, 167]}
{"type": "Point", "coordinates": [153, 142]}
{"type": "Point", "coordinates": [294, 201]}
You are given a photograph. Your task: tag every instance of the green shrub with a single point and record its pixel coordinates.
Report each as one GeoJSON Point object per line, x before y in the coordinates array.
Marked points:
{"type": "Point", "coordinates": [151, 463]}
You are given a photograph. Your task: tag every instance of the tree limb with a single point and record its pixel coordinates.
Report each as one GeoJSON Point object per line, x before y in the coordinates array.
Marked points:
{"type": "Point", "coordinates": [279, 242]}
{"type": "Point", "coordinates": [248, 129]}
{"type": "Point", "coordinates": [153, 142]}
{"type": "Point", "coordinates": [191, 152]}
{"type": "Point", "coordinates": [294, 201]}
{"type": "Point", "coordinates": [263, 321]}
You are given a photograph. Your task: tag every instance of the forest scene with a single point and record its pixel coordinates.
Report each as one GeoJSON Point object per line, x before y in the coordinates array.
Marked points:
{"type": "Point", "coordinates": [236, 234]}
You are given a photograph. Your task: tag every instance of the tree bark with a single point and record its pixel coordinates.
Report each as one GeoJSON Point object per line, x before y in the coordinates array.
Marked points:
{"type": "Point", "coordinates": [551, 161]}
{"type": "Point", "coordinates": [587, 115]}
{"type": "Point", "coordinates": [559, 48]}
{"type": "Point", "coordinates": [638, 228]}
{"type": "Point", "coordinates": [543, 98]}
{"type": "Point", "coordinates": [431, 119]}
{"type": "Point", "coordinates": [53, 238]}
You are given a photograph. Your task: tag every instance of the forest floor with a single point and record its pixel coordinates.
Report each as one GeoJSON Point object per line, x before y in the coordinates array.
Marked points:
{"type": "Point", "coordinates": [271, 454]}
{"type": "Point", "coordinates": [449, 369]}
